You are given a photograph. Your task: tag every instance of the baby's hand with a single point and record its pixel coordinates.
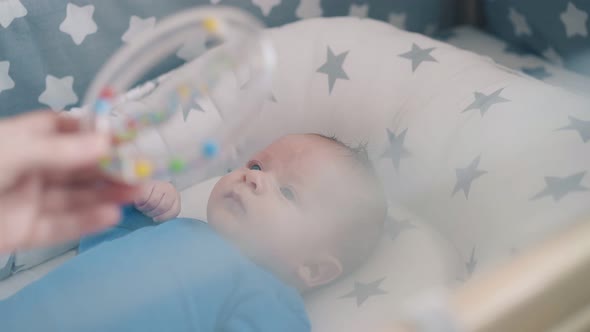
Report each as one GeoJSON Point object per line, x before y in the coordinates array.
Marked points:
{"type": "Point", "coordinates": [158, 200]}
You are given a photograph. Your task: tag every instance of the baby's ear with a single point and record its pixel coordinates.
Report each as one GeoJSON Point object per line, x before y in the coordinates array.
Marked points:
{"type": "Point", "coordinates": [319, 270]}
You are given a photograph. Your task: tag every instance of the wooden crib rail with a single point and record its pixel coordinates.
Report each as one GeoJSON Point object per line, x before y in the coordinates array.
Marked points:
{"type": "Point", "coordinates": [470, 12]}
{"type": "Point", "coordinates": [545, 289]}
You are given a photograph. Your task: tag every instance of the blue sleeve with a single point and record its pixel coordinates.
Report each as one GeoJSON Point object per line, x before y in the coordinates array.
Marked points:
{"type": "Point", "coordinates": [264, 312]}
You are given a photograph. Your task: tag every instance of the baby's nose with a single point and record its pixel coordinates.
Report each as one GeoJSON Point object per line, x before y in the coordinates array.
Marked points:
{"type": "Point", "coordinates": [254, 180]}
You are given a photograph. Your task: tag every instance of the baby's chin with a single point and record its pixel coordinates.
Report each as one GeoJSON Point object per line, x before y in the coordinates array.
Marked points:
{"type": "Point", "coordinates": [222, 219]}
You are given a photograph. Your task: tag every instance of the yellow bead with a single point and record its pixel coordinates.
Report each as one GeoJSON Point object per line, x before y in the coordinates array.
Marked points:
{"type": "Point", "coordinates": [143, 168]}
{"type": "Point", "coordinates": [184, 92]}
{"type": "Point", "coordinates": [125, 137]}
{"type": "Point", "coordinates": [211, 25]}
{"type": "Point", "coordinates": [203, 89]}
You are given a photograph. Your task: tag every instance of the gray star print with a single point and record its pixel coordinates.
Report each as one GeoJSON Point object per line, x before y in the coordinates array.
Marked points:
{"type": "Point", "coordinates": [396, 150]}
{"type": "Point", "coordinates": [483, 102]}
{"type": "Point", "coordinates": [363, 291]}
{"type": "Point", "coordinates": [186, 110]}
{"type": "Point", "coordinates": [581, 126]}
{"type": "Point", "coordinates": [472, 263]}
{"type": "Point", "coordinates": [418, 55]}
{"type": "Point", "coordinates": [333, 68]}
{"type": "Point", "coordinates": [558, 187]}
{"type": "Point", "coordinates": [465, 177]}
{"type": "Point", "coordinates": [395, 227]}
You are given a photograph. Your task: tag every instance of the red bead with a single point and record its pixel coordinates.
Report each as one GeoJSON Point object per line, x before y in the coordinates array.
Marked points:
{"type": "Point", "coordinates": [132, 124]}
{"type": "Point", "coordinates": [107, 93]}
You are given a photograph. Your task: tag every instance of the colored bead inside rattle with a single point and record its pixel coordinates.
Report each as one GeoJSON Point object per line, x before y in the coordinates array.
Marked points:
{"type": "Point", "coordinates": [210, 25]}
{"type": "Point", "coordinates": [105, 162]}
{"type": "Point", "coordinates": [210, 149]}
{"type": "Point", "coordinates": [107, 93]}
{"type": "Point", "coordinates": [184, 92]}
{"type": "Point", "coordinates": [143, 169]}
{"type": "Point", "coordinates": [102, 106]}
{"type": "Point", "coordinates": [177, 165]}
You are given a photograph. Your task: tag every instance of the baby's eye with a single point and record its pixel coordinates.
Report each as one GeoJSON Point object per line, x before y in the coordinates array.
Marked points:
{"type": "Point", "coordinates": [288, 193]}
{"type": "Point", "coordinates": [254, 166]}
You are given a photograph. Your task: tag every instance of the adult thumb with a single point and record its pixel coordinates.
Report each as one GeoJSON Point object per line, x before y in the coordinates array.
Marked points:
{"type": "Point", "coordinates": [68, 151]}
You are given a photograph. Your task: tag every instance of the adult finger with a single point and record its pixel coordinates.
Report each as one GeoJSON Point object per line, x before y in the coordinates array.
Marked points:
{"type": "Point", "coordinates": [65, 152]}
{"type": "Point", "coordinates": [68, 124]}
{"type": "Point", "coordinates": [64, 198]}
{"type": "Point", "coordinates": [71, 225]}
{"type": "Point", "coordinates": [37, 122]}
{"type": "Point", "coordinates": [83, 176]}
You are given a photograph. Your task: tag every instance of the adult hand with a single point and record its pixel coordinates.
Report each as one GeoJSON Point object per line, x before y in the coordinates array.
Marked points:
{"type": "Point", "coordinates": [51, 189]}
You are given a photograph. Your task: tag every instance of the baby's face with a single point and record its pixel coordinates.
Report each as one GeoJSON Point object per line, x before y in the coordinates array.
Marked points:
{"type": "Point", "coordinates": [279, 208]}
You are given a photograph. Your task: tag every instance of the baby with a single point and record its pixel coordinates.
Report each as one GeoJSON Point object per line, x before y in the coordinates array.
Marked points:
{"type": "Point", "coordinates": [303, 212]}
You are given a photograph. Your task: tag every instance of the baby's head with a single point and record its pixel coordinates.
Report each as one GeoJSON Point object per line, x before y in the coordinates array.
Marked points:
{"type": "Point", "coordinates": [307, 207]}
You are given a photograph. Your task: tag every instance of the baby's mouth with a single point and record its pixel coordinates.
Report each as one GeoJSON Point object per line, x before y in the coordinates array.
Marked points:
{"type": "Point", "coordinates": [236, 200]}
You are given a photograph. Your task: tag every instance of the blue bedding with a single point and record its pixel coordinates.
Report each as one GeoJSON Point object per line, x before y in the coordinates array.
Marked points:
{"type": "Point", "coordinates": [177, 276]}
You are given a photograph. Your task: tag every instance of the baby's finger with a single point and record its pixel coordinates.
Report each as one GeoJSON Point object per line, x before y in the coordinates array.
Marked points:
{"type": "Point", "coordinates": [170, 213]}
{"type": "Point", "coordinates": [164, 205]}
{"type": "Point", "coordinates": [146, 192]}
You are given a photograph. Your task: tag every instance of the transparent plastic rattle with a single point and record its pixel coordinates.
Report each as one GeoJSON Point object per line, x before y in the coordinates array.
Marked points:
{"type": "Point", "coordinates": [240, 45]}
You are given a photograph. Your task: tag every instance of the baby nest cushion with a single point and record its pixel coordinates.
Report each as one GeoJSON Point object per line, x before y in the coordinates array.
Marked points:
{"type": "Point", "coordinates": [493, 159]}
{"type": "Point", "coordinates": [50, 50]}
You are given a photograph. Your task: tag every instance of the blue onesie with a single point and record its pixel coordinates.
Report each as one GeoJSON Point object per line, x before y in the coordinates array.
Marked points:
{"type": "Point", "coordinates": [177, 276]}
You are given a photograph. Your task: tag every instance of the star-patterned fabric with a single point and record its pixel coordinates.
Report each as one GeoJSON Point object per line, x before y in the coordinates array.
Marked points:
{"type": "Point", "coordinates": [333, 68]}
{"type": "Point", "coordinates": [78, 22]}
{"type": "Point", "coordinates": [418, 55]}
{"type": "Point", "coordinates": [556, 29]}
{"type": "Point", "coordinates": [73, 38]}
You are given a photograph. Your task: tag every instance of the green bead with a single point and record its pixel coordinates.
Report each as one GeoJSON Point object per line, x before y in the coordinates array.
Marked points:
{"type": "Point", "coordinates": [177, 165]}
{"type": "Point", "coordinates": [105, 162]}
